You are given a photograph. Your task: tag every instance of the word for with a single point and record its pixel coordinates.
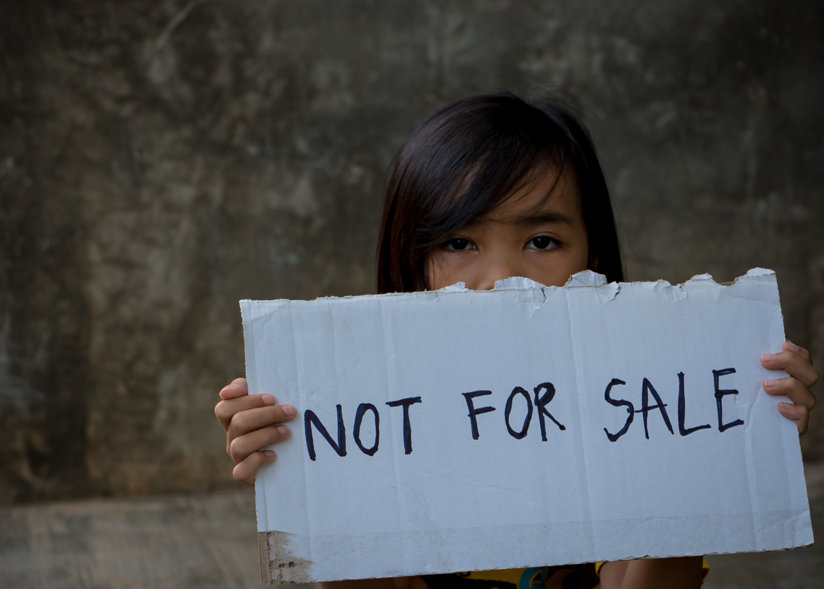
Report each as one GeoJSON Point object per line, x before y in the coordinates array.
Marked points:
{"type": "Point", "coordinates": [544, 393]}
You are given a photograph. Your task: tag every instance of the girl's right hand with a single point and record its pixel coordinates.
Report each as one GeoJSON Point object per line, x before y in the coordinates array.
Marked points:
{"type": "Point", "coordinates": [252, 422]}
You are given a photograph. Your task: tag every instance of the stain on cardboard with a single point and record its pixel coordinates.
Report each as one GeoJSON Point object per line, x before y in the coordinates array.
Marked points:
{"type": "Point", "coordinates": [277, 563]}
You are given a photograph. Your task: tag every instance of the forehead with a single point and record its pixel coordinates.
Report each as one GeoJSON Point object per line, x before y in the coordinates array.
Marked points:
{"type": "Point", "coordinates": [544, 190]}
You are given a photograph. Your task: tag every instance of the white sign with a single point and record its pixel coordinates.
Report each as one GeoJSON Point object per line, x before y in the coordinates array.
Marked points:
{"type": "Point", "coordinates": [525, 426]}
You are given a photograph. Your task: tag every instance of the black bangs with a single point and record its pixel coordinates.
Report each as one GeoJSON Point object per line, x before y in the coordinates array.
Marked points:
{"type": "Point", "coordinates": [470, 156]}
{"type": "Point", "coordinates": [485, 152]}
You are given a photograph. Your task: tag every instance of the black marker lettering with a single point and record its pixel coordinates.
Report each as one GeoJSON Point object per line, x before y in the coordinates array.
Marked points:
{"type": "Point", "coordinates": [618, 403]}
{"type": "Point", "coordinates": [682, 410]}
{"type": "Point", "coordinates": [310, 418]}
{"type": "Point", "coordinates": [362, 409]}
{"type": "Point", "coordinates": [473, 411]}
{"type": "Point", "coordinates": [541, 401]}
{"type": "Point", "coordinates": [719, 395]}
{"type": "Point", "coordinates": [646, 389]}
{"type": "Point", "coordinates": [525, 427]}
{"type": "Point", "coordinates": [407, 427]}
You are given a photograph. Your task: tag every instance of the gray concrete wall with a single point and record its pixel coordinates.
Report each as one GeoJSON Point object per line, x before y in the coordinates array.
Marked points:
{"type": "Point", "coordinates": [161, 160]}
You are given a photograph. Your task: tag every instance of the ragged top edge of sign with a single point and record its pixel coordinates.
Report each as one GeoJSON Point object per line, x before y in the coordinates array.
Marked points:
{"type": "Point", "coordinates": [585, 278]}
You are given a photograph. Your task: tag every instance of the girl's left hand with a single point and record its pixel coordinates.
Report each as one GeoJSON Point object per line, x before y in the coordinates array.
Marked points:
{"type": "Point", "coordinates": [795, 361]}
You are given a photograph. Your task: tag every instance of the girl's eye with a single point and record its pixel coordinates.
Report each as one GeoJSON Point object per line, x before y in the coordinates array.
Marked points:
{"type": "Point", "coordinates": [542, 242]}
{"type": "Point", "coordinates": [458, 244]}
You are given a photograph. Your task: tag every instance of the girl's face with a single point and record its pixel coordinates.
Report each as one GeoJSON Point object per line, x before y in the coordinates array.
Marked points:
{"type": "Point", "coordinates": [538, 233]}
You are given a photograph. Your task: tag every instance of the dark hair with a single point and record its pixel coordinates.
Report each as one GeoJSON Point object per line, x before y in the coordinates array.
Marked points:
{"type": "Point", "coordinates": [466, 159]}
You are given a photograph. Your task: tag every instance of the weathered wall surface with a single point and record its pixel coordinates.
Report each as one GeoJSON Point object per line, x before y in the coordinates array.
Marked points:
{"type": "Point", "coordinates": [161, 160]}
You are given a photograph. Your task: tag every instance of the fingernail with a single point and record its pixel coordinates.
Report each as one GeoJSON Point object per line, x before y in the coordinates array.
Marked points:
{"type": "Point", "coordinates": [269, 453]}
{"type": "Point", "coordinates": [283, 431]}
{"type": "Point", "coordinates": [267, 399]}
{"type": "Point", "coordinates": [289, 411]}
{"type": "Point", "coordinates": [767, 357]}
{"type": "Point", "coordinates": [770, 384]}
{"type": "Point", "coordinates": [786, 409]}
{"type": "Point", "coordinates": [792, 347]}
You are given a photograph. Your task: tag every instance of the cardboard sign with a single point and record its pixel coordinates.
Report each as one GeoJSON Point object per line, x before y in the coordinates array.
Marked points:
{"type": "Point", "coordinates": [524, 426]}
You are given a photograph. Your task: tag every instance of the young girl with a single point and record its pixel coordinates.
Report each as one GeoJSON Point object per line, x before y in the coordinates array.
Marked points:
{"type": "Point", "coordinates": [486, 188]}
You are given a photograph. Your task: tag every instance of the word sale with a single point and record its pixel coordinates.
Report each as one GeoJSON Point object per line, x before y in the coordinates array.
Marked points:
{"type": "Point", "coordinates": [533, 405]}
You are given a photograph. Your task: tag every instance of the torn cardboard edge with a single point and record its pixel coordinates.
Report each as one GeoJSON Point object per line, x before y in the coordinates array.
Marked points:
{"type": "Point", "coordinates": [331, 351]}
{"type": "Point", "coordinates": [584, 278]}
{"type": "Point", "coordinates": [277, 564]}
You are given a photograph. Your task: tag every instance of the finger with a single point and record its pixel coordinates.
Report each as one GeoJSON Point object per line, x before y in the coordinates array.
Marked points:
{"type": "Point", "coordinates": [246, 471]}
{"type": "Point", "coordinates": [246, 421]}
{"type": "Point", "coordinates": [797, 350]}
{"type": "Point", "coordinates": [236, 388]}
{"type": "Point", "coordinates": [793, 389]}
{"type": "Point", "coordinates": [241, 447]}
{"type": "Point", "coordinates": [793, 364]}
{"type": "Point", "coordinates": [226, 410]}
{"type": "Point", "coordinates": [797, 413]}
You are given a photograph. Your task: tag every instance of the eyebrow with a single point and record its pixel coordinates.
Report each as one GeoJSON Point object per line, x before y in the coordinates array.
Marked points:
{"type": "Point", "coordinates": [537, 218]}
{"type": "Point", "coordinates": [543, 217]}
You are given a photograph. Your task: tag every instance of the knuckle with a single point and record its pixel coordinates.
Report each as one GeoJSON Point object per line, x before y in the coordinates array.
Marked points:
{"type": "Point", "coordinates": [240, 474]}
{"type": "Point", "coordinates": [229, 388]}
{"type": "Point", "coordinates": [222, 412]}
{"type": "Point", "coordinates": [239, 423]}
{"type": "Point", "coordinates": [237, 449]}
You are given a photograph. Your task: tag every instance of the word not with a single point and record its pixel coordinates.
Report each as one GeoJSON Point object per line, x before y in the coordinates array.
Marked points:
{"type": "Point", "coordinates": [311, 419]}
{"type": "Point", "coordinates": [648, 390]}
